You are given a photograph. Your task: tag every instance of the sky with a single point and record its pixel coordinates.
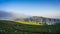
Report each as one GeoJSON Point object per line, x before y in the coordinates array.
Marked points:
{"type": "Point", "coordinates": [45, 8]}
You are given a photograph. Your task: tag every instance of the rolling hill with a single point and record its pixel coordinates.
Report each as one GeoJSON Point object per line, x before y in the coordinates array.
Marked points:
{"type": "Point", "coordinates": [4, 15]}
{"type": "Point", "coordinates": [11, 27]}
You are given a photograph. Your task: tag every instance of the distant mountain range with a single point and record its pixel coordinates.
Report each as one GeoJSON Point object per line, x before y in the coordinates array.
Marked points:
{"type": "Point", "coordinates": [43, 20]}
{"type": "Point", "coordinates": [11, 15]}
{"type": "Point", "coordinates": [15, 16]}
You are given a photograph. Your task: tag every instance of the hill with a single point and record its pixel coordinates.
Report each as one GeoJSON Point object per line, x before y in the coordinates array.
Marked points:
{"type": "Point", "coordinates": [11, 27]}
{"type": "Point", "coordinates": [43, 20]}
{"type": "Point", "coordinates": [5, 15]}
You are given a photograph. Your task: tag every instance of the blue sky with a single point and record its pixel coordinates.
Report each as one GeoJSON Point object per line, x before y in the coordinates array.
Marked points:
{"type": "Point", "coordinates": [45, 8]}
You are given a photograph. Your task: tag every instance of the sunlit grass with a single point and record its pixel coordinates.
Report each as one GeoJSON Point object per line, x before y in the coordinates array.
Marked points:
{"type": "Point", "coordinates": [12, 27]}
{"type": "Point", "coordinates": [30, 23]}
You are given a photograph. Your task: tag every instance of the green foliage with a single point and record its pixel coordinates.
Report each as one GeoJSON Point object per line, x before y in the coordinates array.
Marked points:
{"type": "Point", "coordinates": [11, 27]}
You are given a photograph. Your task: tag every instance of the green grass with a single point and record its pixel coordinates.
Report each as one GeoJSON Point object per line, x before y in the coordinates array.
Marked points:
{"type": "Point", "coordinates": [11, 27]}
{"type": "Point", "coordinates": [25, 22]}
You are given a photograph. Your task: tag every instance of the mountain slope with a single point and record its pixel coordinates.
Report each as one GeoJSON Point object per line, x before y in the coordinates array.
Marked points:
{"type": "Point", "coordinates": [10, 27]}
{"type": "Point", "coordinates": [43, 20]}
{"type": "Point", "coordinates": [4, 15]}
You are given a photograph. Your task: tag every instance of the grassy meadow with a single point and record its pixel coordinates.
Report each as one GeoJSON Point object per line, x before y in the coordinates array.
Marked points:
{"type": "Point", "coordinates": [30, 23]}
{"type": "Point", "coordinates": [14, 27]}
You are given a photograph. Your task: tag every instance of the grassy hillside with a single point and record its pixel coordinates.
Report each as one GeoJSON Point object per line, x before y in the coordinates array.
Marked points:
{"type": "Point", "coordinates": [10, 27]}
{"type": "Point", "coordinates": [30, 23]}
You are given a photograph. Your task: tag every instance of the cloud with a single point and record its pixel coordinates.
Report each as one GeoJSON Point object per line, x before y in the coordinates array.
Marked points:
{"type": "Point", "coordinates": [4, 14]}
{"type": "Point", "coordinates": [11, 15]}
